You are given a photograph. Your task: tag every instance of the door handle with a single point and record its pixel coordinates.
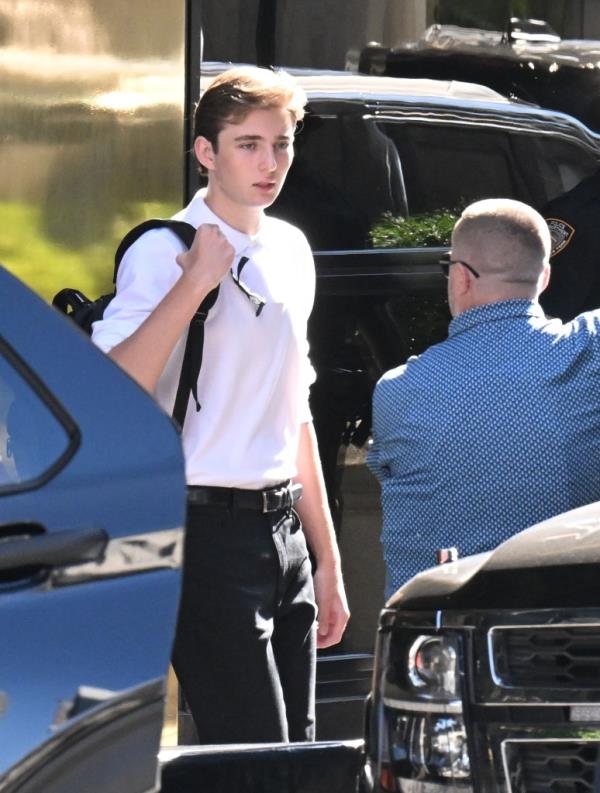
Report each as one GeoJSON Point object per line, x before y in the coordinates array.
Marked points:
{"type": "Point", "coordinates": [50, 549]}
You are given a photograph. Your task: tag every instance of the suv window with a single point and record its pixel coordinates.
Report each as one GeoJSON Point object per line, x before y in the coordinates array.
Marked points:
{"type": "Point", "coordinates": [33, 442]}
{"type": "Point", "coordinates": [447, 167]}
{"type": "Point", "coordinates": [354, 172]}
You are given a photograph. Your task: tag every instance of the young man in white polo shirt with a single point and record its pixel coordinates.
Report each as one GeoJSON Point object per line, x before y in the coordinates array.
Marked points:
{"type": "Point", "coordinates": [245, 646]}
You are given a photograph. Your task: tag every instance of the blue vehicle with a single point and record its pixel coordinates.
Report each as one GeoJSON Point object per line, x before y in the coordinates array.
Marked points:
{"type": "Point", "coordinates": [91, 530]}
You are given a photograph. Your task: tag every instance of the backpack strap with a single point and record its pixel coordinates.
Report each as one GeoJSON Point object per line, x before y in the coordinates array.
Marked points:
{"type": "Point", "coordinates": [185, 231]}
{"type": "Point", "coordinates": [192, 357]}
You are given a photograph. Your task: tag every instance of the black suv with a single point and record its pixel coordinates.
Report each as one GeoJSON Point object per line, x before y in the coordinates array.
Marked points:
{"type": "Point", "coordinates": [383, 166]}
{"type": "Point", "coordinates": [488, 670]}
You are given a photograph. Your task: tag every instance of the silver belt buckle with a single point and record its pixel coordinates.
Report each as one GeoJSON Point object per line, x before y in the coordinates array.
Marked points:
{"type": "Point", "coordinates": [265, 500]}
{"type": "Point", "coordinates": [286, 497]}
{"type": "Point", "coordinates": [268, 505]}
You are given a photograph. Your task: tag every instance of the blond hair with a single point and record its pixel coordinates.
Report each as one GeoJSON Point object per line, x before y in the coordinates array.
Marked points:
{"type": "Point", "coordinates": [238, 91]}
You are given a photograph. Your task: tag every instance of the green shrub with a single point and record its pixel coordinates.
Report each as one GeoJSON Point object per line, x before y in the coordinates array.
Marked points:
{"type": "Point", "coordinates": [432, 229]}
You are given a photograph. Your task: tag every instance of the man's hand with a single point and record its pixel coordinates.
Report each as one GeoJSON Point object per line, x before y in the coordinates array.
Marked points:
{"type": "Point", "coordinates": [208, 260]}
{"type": "Point", "coordinates": [333, 607]}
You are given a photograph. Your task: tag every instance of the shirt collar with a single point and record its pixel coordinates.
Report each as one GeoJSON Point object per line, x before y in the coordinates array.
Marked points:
{"type": "Point", "coordinates": [490, 312]}
{"type": "Point", "coordinates": [199, 213]}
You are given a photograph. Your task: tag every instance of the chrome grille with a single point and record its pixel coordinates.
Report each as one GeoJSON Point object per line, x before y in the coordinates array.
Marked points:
{"type": "Point", "coordinates": [543, 656]}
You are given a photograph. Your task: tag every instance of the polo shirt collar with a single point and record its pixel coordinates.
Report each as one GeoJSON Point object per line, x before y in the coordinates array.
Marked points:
{"type": "Point", "coordinates": [199, 213]}
{"type": "Point", "coordinates": [491, 312]}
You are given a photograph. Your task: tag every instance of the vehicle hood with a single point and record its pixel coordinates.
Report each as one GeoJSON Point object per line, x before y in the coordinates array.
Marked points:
{"type": "Point", "coordinates": [553, 564]}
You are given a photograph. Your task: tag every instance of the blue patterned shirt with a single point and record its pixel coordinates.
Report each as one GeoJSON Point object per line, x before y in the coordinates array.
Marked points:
{"type": "Point", "coordinates": [487, 433]}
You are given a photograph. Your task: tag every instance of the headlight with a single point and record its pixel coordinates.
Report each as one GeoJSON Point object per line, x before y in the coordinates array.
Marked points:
{"type": "Point", "coordinates": [432, 667]}
{"type": "Point", "coordinates": [431, 746]}
{"type": "Point", "coordinates": [422, 739]}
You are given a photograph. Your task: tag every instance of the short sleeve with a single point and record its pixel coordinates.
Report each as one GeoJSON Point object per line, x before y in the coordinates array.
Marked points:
{"type": "Point", "coordinates": [148, 271]}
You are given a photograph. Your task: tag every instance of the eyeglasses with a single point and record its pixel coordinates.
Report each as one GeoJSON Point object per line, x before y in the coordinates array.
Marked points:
{"type": "Point", "coordinates": [446, 261]}
{"type": "Point", "coordinates": [257, 300]}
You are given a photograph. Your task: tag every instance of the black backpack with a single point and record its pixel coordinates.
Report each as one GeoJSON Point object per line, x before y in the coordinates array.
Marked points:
{"type": "Point", "coordinates": [84, 312]}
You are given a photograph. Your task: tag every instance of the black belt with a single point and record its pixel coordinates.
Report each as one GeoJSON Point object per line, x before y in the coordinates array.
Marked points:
{"type": "Point", "coordinates": [272, 499]}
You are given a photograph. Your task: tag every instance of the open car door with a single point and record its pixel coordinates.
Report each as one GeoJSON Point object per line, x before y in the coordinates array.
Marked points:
{"type": "Point", "coordinates": [92, 499]}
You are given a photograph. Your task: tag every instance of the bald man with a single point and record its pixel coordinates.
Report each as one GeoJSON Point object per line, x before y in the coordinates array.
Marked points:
{"type": "Point", "coordinates": [498, 427]}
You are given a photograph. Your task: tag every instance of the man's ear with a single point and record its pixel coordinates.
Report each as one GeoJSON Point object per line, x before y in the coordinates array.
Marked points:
{"type": "Point", "coordinates": [463, 280]}
{"type": "Point", "coordinates": [544, 278]}
{"type": "Point", "coordinates": [203, 149]}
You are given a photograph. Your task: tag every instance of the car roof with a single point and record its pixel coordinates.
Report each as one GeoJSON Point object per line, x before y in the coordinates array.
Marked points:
{"type": "Point", "coordinates": [332, 84]}
{"type": "Point", "coordinates": [346, 85]}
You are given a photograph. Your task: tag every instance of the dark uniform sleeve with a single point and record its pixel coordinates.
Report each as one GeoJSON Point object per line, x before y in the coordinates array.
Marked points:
{"type": "Point", "coordinates": [574, 222]}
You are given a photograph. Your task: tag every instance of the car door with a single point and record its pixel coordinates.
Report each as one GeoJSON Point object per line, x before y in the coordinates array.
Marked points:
{"type": "Point", "coordinates": [91, 516]}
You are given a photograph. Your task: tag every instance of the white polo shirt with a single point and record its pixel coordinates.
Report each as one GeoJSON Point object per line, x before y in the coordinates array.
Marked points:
{"type": "Point", "coordinates": [255, 377]}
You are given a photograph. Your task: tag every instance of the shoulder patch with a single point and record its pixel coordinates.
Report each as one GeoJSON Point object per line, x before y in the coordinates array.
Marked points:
{"type": "Point", "coordinates": [561, 233]}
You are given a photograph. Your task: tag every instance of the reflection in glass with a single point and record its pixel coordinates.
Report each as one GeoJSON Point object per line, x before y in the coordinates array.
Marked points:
{"type": "Point", "coordinates": [31, 438]}
{"type": "Point", "coordinates": [315, 34]}
{"type": "Point", "coordinates": [91, 124]}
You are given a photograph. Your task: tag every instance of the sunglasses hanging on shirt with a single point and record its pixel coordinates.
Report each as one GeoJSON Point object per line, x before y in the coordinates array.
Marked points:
{"type": "Point", "coordinates": [257, 300]}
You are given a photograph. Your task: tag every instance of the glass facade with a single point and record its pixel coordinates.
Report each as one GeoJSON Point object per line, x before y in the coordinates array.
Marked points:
{"type": "Point", "coordinates": [91, 133]}
{"type": "Point", "coordinates": [325, 34]}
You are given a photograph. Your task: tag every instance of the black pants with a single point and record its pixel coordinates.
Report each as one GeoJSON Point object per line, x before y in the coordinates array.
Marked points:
{"type": "Point", "coordinates": [244, 651]}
